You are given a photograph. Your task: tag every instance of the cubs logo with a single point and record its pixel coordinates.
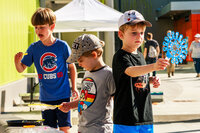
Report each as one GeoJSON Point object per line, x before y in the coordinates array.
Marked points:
{"type": "Point", "coordinates": [48, 62]}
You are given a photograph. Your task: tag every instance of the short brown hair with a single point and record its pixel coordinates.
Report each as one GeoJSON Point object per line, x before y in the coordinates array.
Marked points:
{"type": "Point", "coordinates": [125, 26]}
{"type": "Point", "coordinates": [43, 16]}
{"type": "Point", "coordinates": [99, 52]}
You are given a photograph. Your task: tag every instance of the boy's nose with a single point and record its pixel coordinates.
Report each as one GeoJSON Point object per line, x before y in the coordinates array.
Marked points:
{"type": "Point", "coordinates": [139, 35]}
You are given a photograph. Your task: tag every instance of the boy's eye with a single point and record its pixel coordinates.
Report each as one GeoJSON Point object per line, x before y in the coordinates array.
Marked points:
{"type": "Point", "coordinates": [79, 61]}
{"type": "Point", "coordinates": [136, 33]}
{"type": "Point", "coordinates": [37, 28]}
{"type": "Point", "coordinates": [141, 33]}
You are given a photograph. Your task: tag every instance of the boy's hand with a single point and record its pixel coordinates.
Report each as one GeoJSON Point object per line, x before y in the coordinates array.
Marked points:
{"type": "Point", "coordinates": [65, 107]}
{"type": "Point", "coordinates": [155, 81]}
{"type": "Point", "coordinates": [18, 57]}
{"type": "Point", "coordinates": [19, 66]}
{"type": "Point", "coordinates": [161, 64]}
{"type": "Point", "coordinates": [75, 95]}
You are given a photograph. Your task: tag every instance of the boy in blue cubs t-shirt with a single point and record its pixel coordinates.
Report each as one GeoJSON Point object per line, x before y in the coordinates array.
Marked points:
{"type": "Point", "coordinates": [49, 56]}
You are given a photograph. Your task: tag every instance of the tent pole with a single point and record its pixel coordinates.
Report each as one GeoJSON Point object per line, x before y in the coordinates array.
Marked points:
{"type": "Point", "coordinates": [109, 47]}
{"type": "Point", "coordinates": [110, 41]}
{"type": "Point", "coordinates": [59, 35]}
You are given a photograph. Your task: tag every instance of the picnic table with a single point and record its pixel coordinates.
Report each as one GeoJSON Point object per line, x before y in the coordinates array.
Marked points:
{"type": "Point", "coordinates": [32, 76]}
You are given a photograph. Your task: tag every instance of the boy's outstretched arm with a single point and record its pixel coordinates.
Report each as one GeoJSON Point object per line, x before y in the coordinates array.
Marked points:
{"type": "Point", "coordinates": [135, 71]}
{"type": "Point", "coordinates": [73, 75]}
{"type": "Point", "coordinates": [19, 66]}
{"type": "Point", "coordinates": [67, 106]}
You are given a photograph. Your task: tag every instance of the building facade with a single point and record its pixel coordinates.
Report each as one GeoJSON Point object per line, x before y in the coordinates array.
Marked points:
{"type": "Point", "coordinates": [16, 34]}
{"type": "Point", "coordinates": [177, 15]}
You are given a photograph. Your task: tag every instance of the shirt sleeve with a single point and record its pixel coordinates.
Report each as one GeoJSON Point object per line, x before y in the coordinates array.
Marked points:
{"type": "Point", "coordinates": [111, 84]}
{"type": "Point", "coordinates": [124, 62]}
{"type": "Point", "coordinates": [28, 56]}
{"type": "Point", "coordinates": [156, 43]}
{"type": "Point", "coordinates": [67, 51]}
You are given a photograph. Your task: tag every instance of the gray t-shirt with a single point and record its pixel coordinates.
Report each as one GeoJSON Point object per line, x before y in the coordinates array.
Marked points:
{"type": "Point", "coordinates": [195, 49]}
{"type": "Point", "coordinates": [96, 104]}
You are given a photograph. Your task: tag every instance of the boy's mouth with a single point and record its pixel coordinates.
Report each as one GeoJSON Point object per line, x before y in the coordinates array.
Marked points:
{"type": "Point", "coordinates": [137, 41]}
{"type": "Point", "coordinates": [40, 35]}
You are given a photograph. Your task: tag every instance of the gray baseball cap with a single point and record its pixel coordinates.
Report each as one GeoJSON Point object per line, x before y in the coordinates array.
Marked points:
{"type": "Point", "coordinates": [133, 17]}
{"type": "Point", "coordinates": [82, 44]}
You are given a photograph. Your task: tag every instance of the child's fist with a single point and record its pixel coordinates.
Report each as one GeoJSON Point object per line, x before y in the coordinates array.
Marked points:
{"type": "Point", "coordinates": [18, 57]}
{"type": "Point", "coordinates": [161, 64]}
{"type": "Point", "coordinates": [65, 107]}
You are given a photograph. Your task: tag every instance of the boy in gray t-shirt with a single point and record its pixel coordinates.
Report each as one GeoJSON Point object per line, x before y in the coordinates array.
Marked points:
{"type": "Point", "coordinates": [95, 103]}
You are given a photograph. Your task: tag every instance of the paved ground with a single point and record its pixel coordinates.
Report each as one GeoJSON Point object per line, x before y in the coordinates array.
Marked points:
{"type": "Point", "coordinates": [191, 126]}
{"type": "Point", "coordinates": [180, 110]}
{"type": "Point", "coordinates": [178, 113]}
{"type": "Point", "coordinates": [181, 95]}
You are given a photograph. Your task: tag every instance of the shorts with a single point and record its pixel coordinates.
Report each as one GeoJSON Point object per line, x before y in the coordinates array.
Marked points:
{"type": "Point", "coordinates": [133, 129]}
{"type": "Point", "coordinates": [56, 117]}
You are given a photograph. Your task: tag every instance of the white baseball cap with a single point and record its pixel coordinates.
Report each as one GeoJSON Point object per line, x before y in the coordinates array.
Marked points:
{"type": "Point", "coordinates": [132, 17]}
{"type": "Point", "coordinates": [197, 35]}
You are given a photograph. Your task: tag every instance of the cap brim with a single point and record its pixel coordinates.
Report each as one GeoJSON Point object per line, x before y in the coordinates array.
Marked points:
{"type": "Point", "coordinates": [197, 36]}
{"type": "Point", "coordinates": [147, 23]}
{"type": "Point", "coordinates": [73, 58]}
{"type": "Point", "coordinates": [70, 60]}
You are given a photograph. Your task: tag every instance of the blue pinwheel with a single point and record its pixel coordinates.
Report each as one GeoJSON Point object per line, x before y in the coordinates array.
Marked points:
{"type": "Point", "coordinates": [175, 47]}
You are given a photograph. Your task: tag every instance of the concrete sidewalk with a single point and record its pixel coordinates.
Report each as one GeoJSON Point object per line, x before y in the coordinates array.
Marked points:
{"type": "Point", "coordinates": [181, 100]}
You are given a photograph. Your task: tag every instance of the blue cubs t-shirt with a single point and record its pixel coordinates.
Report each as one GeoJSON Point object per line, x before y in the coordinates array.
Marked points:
{"type": "Point", "coordinates": [50, 62]}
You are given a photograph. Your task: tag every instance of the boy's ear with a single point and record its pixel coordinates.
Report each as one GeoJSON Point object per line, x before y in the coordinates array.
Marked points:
{"type": "Point", "coordinates": [120, 34]}
{"type": "Point", "coordinates": [94, 54]}
{"type": "Point", "coordinates": [52, 26]}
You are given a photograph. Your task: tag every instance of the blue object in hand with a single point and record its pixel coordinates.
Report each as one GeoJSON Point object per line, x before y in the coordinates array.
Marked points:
{"type": "Point", "coordinates": [175, 47]}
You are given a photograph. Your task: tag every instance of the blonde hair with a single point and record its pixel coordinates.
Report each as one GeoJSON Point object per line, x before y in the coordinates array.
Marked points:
{"type": "Point", "coordinates": [124, 27]}
{"type": "Point", "coordinates": [43, 16]}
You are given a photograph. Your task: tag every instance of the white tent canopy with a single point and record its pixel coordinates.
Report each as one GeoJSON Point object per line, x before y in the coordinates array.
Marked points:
{"type": "Point", "coordinates": [86, 15]}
